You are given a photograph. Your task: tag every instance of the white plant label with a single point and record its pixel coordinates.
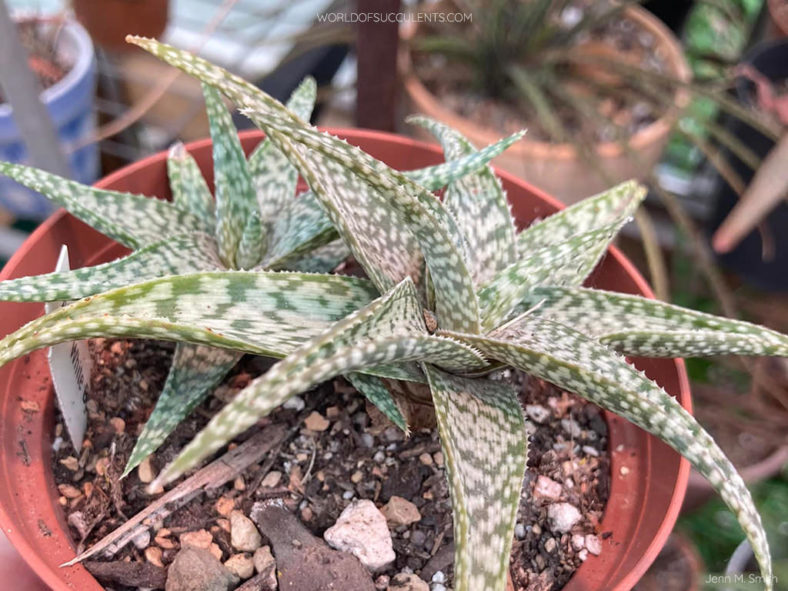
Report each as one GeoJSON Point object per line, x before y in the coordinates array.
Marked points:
{"type": "Point", "coordinates": [70, 366]}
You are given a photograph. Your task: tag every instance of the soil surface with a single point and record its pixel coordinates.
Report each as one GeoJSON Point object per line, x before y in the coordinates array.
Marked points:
{"type": "Point", "coordinates": [43, 60]}
{"type": "Point", "coordinates": [351, 452]}
{"type": "Point", "coordinates": [613, 108]}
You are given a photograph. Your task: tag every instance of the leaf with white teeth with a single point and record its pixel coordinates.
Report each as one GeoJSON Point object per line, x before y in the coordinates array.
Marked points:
{"type": "Point", "coordinates": [252, 245]}
{"type": "Point", "coordinates": [375, 390]}
{"type": "Point", "coordinates": [573, 361]}
{"type": "Point", "coordinates": [190, 192]}
{"type": "Point", "coordinates": [478, 203]}
{"type": "Point", "coordinates": [484, 441]}
{"type": "Point", "coordinates": [390, 329]}
{"type": "Point", "coordinates": [615, 206]}
{"type": "Point", "coordinates": [133, 220]}
{"type": "Point", "coordinates": [265, 313]}
{"type": "Point", "coordinates": [274, 178]}
{"type": "Point", "coordinates": [195, 372]}
{"type": "Point", "coordinates": [235, 196]}
{"type": "Point", "coordinates": [372, 223]}
{"type": "Point", "coordinates": [650, 328]}
{"type": "Point", "coordinates": [172, 256]}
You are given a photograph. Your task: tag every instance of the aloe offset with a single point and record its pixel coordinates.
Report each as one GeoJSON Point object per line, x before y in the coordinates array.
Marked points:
{"type": "Point", "coordinates": [493, 297]}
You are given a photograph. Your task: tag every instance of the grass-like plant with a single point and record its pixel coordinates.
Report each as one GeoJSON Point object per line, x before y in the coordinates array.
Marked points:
{"type": "Point", "coordinates": [453, 292]}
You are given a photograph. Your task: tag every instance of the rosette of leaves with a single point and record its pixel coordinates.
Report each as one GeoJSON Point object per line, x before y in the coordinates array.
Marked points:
{"type": "Point", "coordinates": [255, 222]}
{"type": "Point", "coordinates": [453, 292]}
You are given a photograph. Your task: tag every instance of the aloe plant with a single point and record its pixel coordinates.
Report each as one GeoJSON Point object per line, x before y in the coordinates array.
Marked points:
{"type": "Point", "coordinates": [255, 222]}
{"type": "Point", "coordinates": [453, 292]}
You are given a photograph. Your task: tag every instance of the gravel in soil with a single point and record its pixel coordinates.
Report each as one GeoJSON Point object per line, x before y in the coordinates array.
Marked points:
{"type": "Point", "coordinates": [339, 449]}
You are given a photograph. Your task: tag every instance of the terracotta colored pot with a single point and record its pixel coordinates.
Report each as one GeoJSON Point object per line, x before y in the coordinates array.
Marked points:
{"type": "Point", "coordinates": [556, 168]}
{"type": "Point", "coordinates": [109, 21]}
{"type": "Point", "coordinates": [662, 573]}
{"type": "Point", "coordinates": [644, 500]}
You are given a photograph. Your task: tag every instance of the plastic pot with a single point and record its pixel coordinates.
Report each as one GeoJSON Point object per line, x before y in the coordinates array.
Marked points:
{"type": "Point", "coordinates": [557, 168]}
{"type": "Point", "coordinates": [70, 105]}
{"type": "Point", "coordinates": [648, 478]}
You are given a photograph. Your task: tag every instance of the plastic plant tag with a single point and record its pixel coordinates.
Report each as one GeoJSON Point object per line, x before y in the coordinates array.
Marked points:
{"type": "Point", "coordinates": [70, 366]}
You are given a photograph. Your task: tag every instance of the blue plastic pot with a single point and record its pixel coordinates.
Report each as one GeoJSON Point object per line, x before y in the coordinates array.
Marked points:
{"type": "Point", "coordinates": [70, 104]}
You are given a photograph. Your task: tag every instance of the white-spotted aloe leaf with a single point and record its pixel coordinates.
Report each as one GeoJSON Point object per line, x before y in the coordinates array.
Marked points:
{"type": "Point", "coordinates": [323, 259]}
{"type": "Point", "coordinates": [376, 391]}
{"type": "Point", "coordinates": [234, 195]}
{"type": "Point", "coordinates": [614, 206]}
{"type": "Point", "coordinates": [650, 328]}
{"type": "Point", "coordinates": [195, 371]}
{"type": "Point", "coordinates": [252, 244]}
{"type": "Point", "coordinates": [478, 203]}
{"type": "Point", "coordinates": [264, 313]}
{"type": "Point", "coordinates": [390, 329]}
{"type": "Point", "coordinates": [387, 253]}
{"type": "Point", "coordinates": [133, 220]}
{"type": "Point", "coordinates": [575, 362]}
{"type": "Point", "coordinates": [439, 175]}
{"type": "Point", "coordinates": [190, 192]}
{"type": "Point", "coordinates": [172, 256]}
{"type": "Point", "coordinates": [483, 437]}
{"type": "Point", "coordinates": [556, 264]}
{"type": "Point", "coordinates": [274, 178]}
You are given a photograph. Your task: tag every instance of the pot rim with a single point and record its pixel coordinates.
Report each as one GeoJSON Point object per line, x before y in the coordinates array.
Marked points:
{"type": "Point", "coordinates": [83, 48]}
{"type": "Point", "coordinates": [49, 575]}
{"type": "Point", "coordinates": [548, 150]}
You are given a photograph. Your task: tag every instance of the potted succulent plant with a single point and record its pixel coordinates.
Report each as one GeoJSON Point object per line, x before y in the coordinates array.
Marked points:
{"type": "Point", "coordinates": [62, 55]}
{"type": "Point", "coordinates": [554, 68]}
{"type": "Point", "coordinates": [494, 298]}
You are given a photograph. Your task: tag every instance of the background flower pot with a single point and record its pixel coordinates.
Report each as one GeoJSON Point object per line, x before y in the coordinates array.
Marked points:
{"type": "Point", "coordinates": [109, 21]}
{"type": "Point", "coordinates": [70, 105]}
{"type": "Point", "coordinates": [648, 478]}
{"type": "Point", "coordinates": [557, 168]}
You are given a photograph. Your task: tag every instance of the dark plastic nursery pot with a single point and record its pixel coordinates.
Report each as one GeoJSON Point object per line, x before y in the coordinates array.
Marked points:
{"type": "Point", "coordinates": [648, 478]}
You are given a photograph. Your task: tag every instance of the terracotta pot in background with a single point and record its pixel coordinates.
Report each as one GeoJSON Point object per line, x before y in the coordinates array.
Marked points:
{"type": "Point", "coordinates": [556, 168]}
{"type": "Point", "coordinates": [648, 478]}
{"type": "Point", "coordinates": [109, 21]}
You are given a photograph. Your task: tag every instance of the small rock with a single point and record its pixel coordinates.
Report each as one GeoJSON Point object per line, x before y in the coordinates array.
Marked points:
{"type": "Point", "coordinates": [379, 457]}
{"type": "Point", "coordinates": [316, 422]}
{"type": "Point", "coordinates": [361, 530]}
{"type": "Point", "coordinates": [547, 488]}
{"type": "Point", "coordinates": [145, 471]}
{"type": "Point", "coordinates": [196, 568]}
{"type": "Point", "coordinates": [438, 458]}
{"type": "Point", "coordinates": [295, 403]}
{"type": "Point", "coordinates": [439, 587]}
{"type": "Point", "coordinates": [418, 537]}
{"type": "Point", "coordinates": [196, 539]}
{"type": "Point", "coordinates": [356, 477]}
{"type": "Point", "coordinates": [519, 531]}
{"type": "Point", "coordinates": [407, 582]}
{"type": "Point", "coordinates": [153, 555]}
{"type": "Point", "coordinates": [118, 424]}
{"type": "Point", "coordinates": [590, 451]}
{"type": "Point", "coordinates": [216, 551]}
{"type": "Point", "coordinates": [367, 440]}
{"type": "Point", "coordinates": [578, 542]}
{"type": "Point", "coordinates": [426, 459]}
{"type": "Point", "coordinates": [399, 511]}
{"type": "Point", "coordinates": [71, 463]}
{"type": "Point", "coordinates": [243, 533]}
{"type": "Point", "coordinates": [241, 565]}
{"type": "Point", "coordinates": [571, 427]}
{"type": "Point", "coordinates": [582, 555]}
{"type": "Point", "coordinates": [549, 545]}
{"type": "Point", "coordinates": [593, 544]}
{"type": "Point", "coordinates": [382, 583]}
{"type": "Point", "coordinates": [141, 540]}
{"type": "Point", "coordinates": [69, 491]}
{"type": "Point", "coordinates": [263, 559]}
{"type": "Point", "coordinates": [224, 506]}
{"type": "Point", "coordinates": [239, 483]}
{"type": "Point", "coordinates": [438, 577]}
{"type": "Point", "coordinates": [563, 516]}
{"type": "Point", "coordinates": [271, 479]}
{"type": "Point", "coordinates": [537, 413]}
